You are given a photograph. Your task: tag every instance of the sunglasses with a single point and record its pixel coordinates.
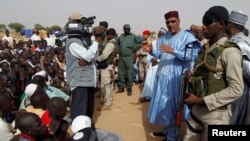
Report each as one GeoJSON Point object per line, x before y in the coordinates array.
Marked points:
{"type": "Point", "coordinates": [208, 21]}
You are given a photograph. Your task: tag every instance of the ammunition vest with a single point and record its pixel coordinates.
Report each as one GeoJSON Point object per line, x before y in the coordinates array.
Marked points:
{"type": "Point", "coordinates": [112, 56]}
{"type": "Point", "coordinates": [205, 80]}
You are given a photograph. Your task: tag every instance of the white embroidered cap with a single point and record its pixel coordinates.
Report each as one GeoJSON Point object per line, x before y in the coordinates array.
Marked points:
{"type": "Point", "coordinates": [80, 122]}
{"type": "Point", "coordinates": [238, 17]}
{"type": "Point", "coordinates": [30, 89]}
{"type": "Point", "coordinates": [41, 73]}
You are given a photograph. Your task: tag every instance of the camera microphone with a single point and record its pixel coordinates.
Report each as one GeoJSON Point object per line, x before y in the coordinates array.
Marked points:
{"type": "Point", "coordinates": [90, 18]}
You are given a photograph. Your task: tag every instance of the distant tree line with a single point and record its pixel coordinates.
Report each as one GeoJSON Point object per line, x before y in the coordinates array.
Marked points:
{"type": "Point", "coordinates": [18, 27]}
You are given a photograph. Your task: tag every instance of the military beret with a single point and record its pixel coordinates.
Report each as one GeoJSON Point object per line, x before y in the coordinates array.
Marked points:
{"type": "Point", "coordinates": [126, 26]}
{"type": "Point", "coordinates": [215, 13]}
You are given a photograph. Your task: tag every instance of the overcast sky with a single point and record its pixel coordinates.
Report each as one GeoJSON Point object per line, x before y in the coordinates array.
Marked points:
{"type": "Point", "coordinates": [140, 14]}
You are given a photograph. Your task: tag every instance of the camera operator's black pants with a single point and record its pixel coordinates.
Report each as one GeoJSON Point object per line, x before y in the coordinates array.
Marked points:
{"type": "Point", "coordinates": [82, 102]}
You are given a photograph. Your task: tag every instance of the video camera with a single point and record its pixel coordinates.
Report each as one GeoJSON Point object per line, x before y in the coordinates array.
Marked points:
{"type": "Point", "coordinates": [81, 30]}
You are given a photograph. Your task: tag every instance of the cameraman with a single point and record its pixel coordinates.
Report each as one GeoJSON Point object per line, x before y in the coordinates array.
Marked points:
{"type": "Point", "coordinates": [81, 68]}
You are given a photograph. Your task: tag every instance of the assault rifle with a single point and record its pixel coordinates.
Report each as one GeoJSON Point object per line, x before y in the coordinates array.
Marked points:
{"type": "Point", "coordinates": [183, 91]}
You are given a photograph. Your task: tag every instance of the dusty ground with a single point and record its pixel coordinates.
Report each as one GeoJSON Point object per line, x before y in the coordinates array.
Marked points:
{"type": "Point", "coordinates": [127, 118]}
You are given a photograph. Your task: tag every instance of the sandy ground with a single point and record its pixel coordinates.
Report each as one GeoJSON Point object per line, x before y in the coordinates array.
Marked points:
{"type": "Point", "coordinates": [127, 117]}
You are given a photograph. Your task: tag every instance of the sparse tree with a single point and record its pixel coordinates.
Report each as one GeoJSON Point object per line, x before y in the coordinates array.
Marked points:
{"type": "Point", "coordinates": [16, 26]}
{"type": "Point", "coordinates": [48, 29]}
{"type": "Point", "coordinates": [38, 26]}
{"type": "Point", "coordinates": [2, 27]}
{"type": "Point", "coordinates": [152, 33]}
{"type": "Point", "coordinates": [56, 28]}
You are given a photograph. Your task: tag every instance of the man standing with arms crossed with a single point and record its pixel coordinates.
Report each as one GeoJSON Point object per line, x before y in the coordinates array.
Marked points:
{"type": "Point", "coordinates": [143, 66]}
{"type": "Point", "coordinates": [107, 55]}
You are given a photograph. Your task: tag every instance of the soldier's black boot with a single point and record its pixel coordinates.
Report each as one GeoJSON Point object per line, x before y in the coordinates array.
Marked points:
{"type": "Point", "coordinates": [120, 90]}
{"type": "Point", "coordinates": [129, 92]}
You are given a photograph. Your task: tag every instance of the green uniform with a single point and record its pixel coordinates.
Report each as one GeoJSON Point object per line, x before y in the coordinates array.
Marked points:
{"type": "Point", "coordinates": [127, 45]}
{"type": "Point", "coordinates": [204, 80]}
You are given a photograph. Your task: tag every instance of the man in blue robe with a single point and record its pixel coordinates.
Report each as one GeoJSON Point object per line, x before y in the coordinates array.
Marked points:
{"type": "Point", "coordinates": [171, 51]}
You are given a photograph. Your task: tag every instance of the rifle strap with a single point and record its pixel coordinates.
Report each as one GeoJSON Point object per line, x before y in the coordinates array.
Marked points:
{"type": "Point", "coordinates": [197, 121]}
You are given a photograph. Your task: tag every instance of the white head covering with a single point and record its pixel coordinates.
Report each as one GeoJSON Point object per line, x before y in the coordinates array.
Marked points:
{"type": "Point", "coordinates": [30, 89]}
{"type": "Point", "coordinates": [238, 17]}
{"type": "Point", "coordinates": [42, 73]}
{"type": "Point", "coordinates": [80, 122]}
{"type": "Point", "coordinates": [163, 30]}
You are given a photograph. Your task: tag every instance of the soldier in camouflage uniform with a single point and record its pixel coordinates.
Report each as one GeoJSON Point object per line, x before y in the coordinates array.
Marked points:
{"type": "Point", "coordinates": [107, 56]}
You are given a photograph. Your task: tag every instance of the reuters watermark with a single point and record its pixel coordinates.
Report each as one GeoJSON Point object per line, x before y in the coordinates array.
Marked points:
{"type": "Point", "coordinates": [241, 132]}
